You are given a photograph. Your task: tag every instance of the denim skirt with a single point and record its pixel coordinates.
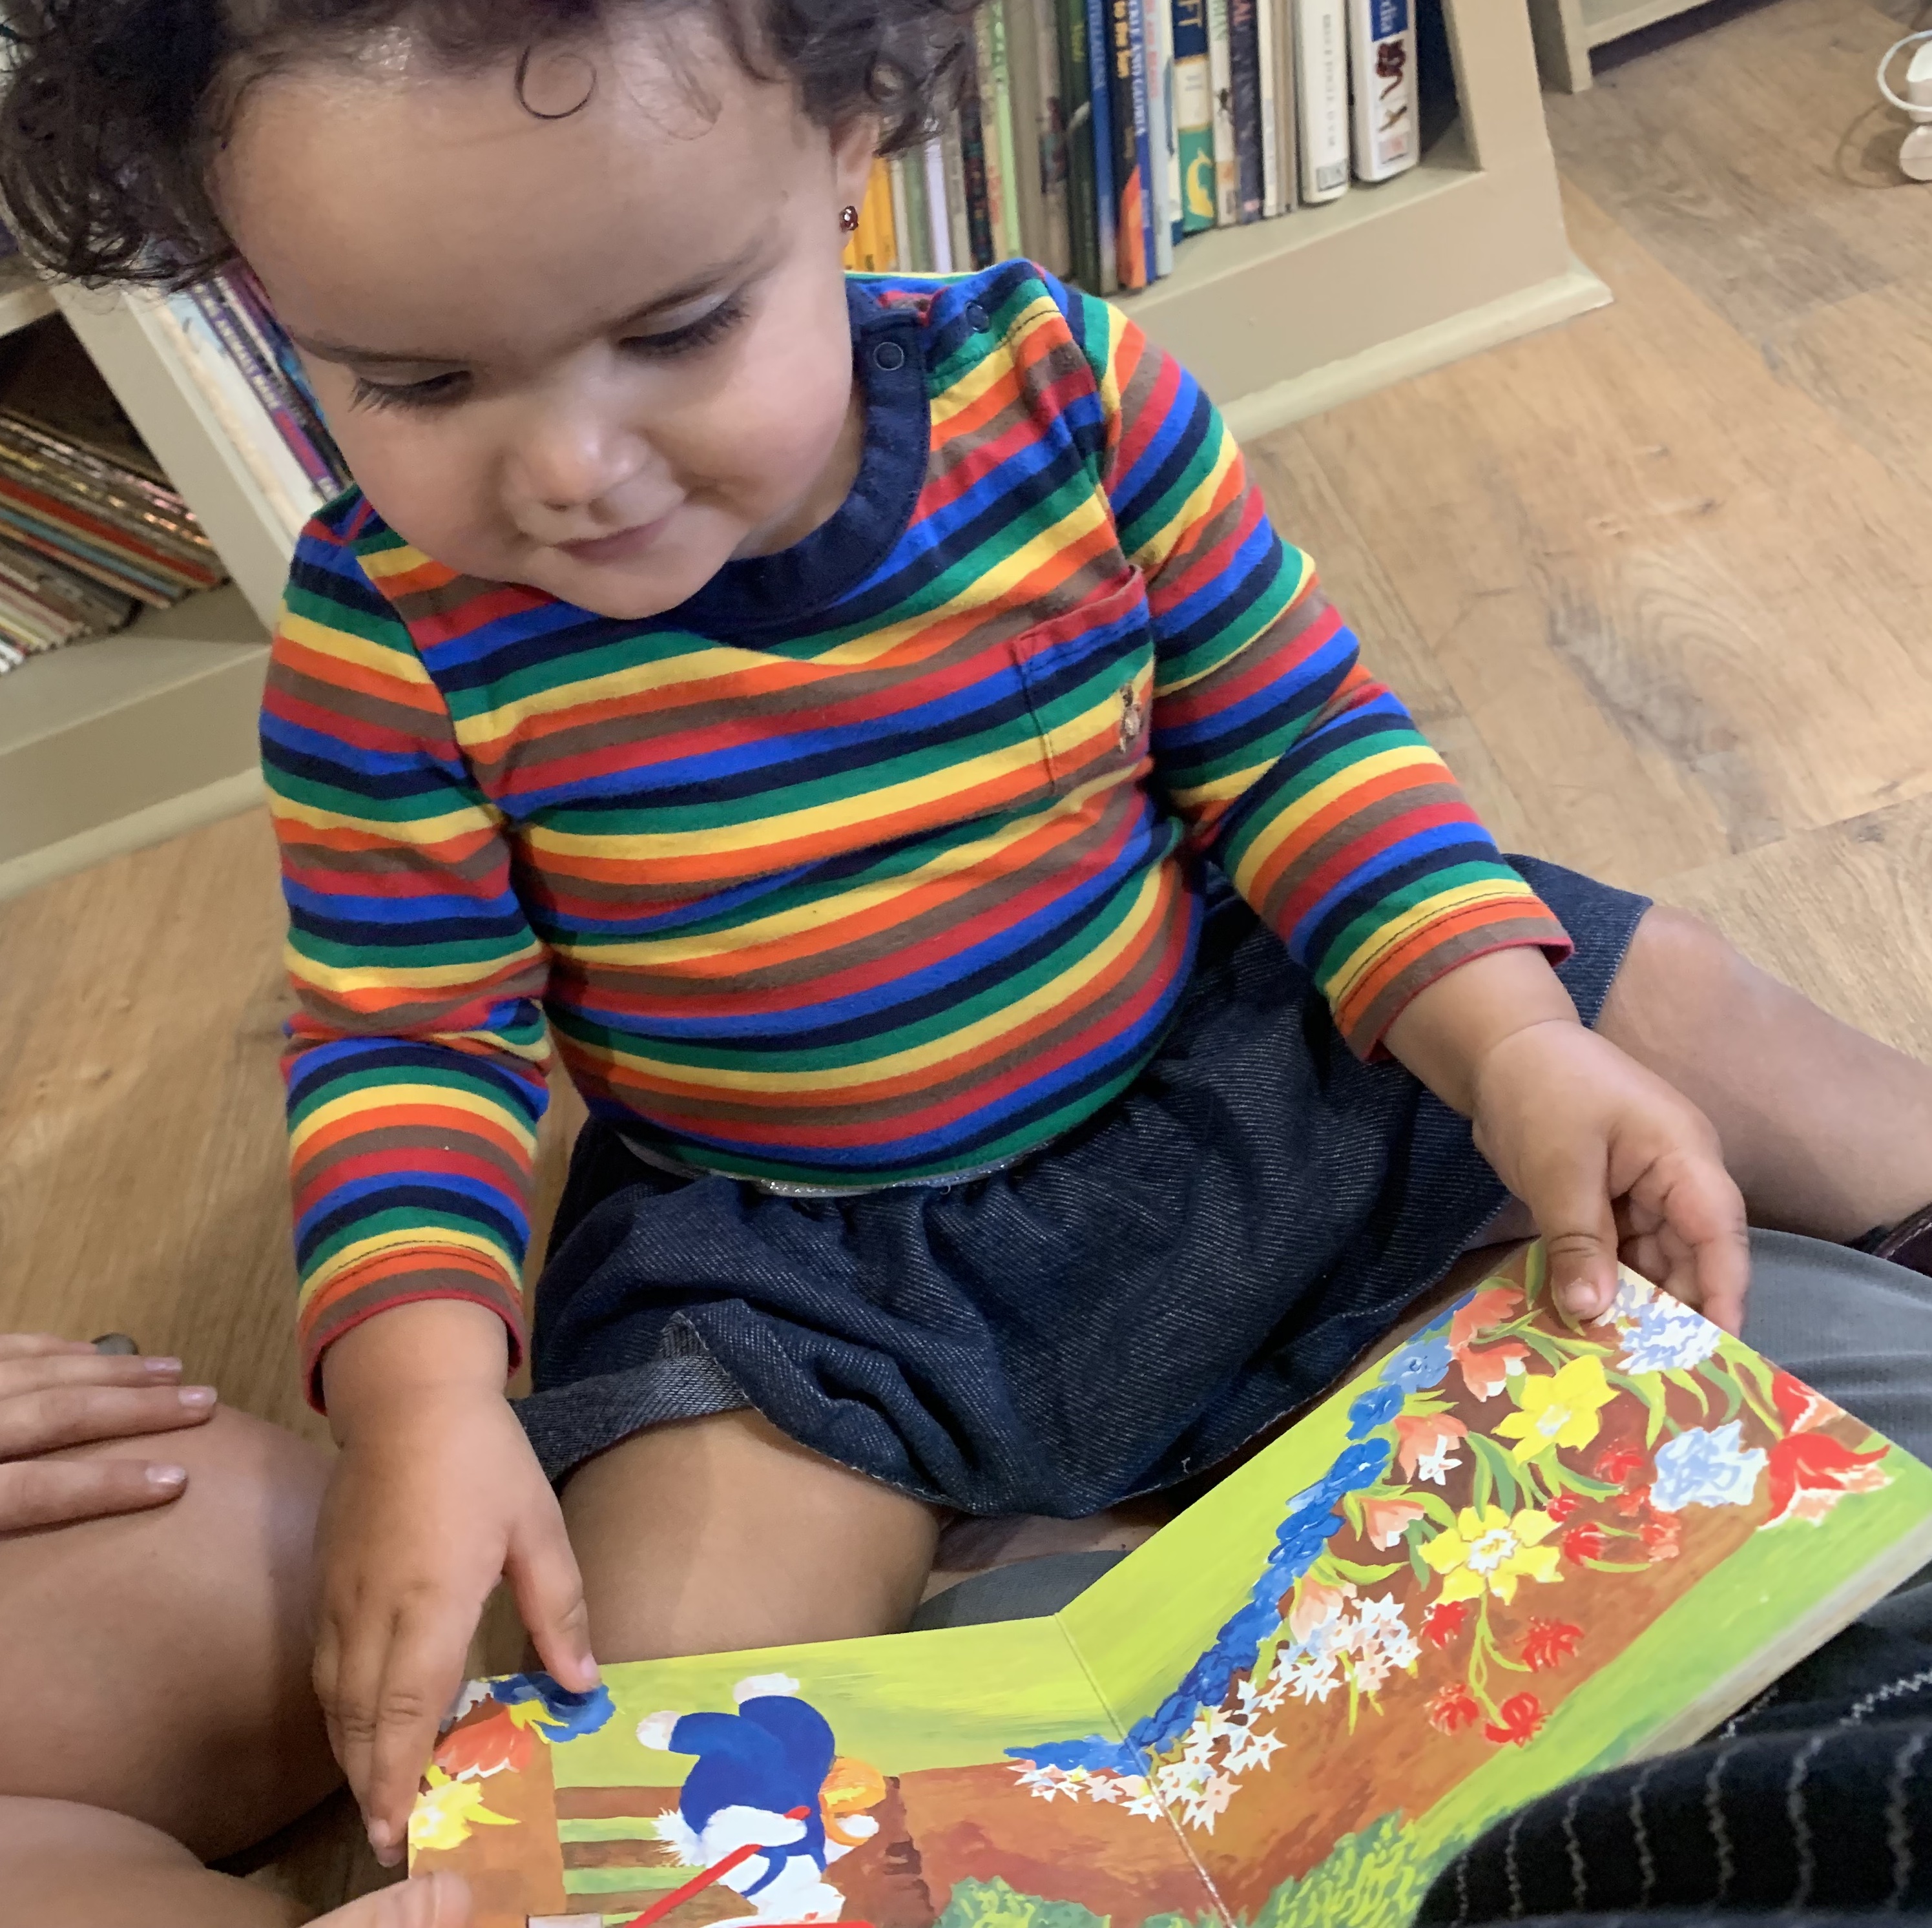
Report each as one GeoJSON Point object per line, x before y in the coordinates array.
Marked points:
{"type": "Point", "coordinates": [1115, 1313]}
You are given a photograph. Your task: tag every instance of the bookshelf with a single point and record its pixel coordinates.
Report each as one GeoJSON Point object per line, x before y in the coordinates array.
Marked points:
{"type": "Point", "coordinates": [110, 744]}
{"type": "Point", "coordinates": [1567, 30]}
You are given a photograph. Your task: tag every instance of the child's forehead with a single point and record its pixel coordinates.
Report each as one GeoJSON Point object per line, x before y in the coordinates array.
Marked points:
{"type": "Point", "coordinates": [405, 192]}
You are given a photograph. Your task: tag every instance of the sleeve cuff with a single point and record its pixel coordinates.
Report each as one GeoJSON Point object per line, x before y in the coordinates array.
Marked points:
{"type": "Point", "coordinates": [360, 1293]}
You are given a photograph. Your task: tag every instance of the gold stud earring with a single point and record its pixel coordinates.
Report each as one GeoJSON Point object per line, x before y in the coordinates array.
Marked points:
{"type": "Point", "coordinates": [848, 219]}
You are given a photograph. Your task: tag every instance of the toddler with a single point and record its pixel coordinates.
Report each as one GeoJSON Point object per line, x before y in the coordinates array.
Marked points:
{"type": "Point", "coordinates": [1042, 1007]}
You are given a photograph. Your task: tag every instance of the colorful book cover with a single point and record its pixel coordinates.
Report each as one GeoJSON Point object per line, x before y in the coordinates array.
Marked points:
{"type": "Point", "coordinates": [1321, 98]}
{"type": "Point", "coordinates": [1505, 1553]}
{"type": "Point", "coordinates": [1244, 66]}
{"type": "Point", "coordinates": [1194, 115]}
{"type": "Point", "coordinates": [1083, 219]}
{"type": "Point", "coordinates": [1100, 89]}
{"type": "Point", "coordinates": [1132, 231]}
{"type": "Point", "coordinates": [1227, 161]}
{"type": "Point", "coordinates": [1146, 161]}
{"type": "Point", "coordinates": [1381, 60]}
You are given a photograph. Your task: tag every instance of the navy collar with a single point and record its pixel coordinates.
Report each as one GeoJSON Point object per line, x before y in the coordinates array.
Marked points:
{"type": "Point", "coordinates": [780, 591]}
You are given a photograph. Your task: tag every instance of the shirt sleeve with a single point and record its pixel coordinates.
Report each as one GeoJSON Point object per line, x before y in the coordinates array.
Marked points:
{"type": "Point", "coordinates": [1296, 771]}
{"type": "Point", "coordinates": [416, 1057]}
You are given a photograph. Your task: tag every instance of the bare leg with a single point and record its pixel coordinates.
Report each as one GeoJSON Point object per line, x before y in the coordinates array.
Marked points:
{"type": "Point", "coordinates": [720, 1534]}
{"type": "Point", "coordinates": [1826, 1131]}
{"type": "Point", "coordinates": [156, 1664]}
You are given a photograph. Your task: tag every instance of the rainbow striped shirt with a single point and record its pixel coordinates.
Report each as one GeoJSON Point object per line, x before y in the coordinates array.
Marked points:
{"type": "Point", "coordinates": [878, 858]}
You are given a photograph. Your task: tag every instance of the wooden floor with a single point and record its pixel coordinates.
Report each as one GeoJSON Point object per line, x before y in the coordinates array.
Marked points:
{"type": "Point", "coordinates": [1659, 583]}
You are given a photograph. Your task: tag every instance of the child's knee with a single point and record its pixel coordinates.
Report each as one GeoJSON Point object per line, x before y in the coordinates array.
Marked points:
{"type": "Point", "coordinates": [720, 1535]}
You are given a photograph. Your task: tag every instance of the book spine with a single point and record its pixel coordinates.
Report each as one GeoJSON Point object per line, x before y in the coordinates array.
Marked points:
{"type": "Point", "coordinates": [989, 101]}
{"type": "Point", "coordinates": [265, 386]}
{"type": "Point", "coordinates": [1381, 60]}
{"type": "Point", "coordinates": [939, 225]}
{"type": "Point", "coordinates": [895, 184]}
{"type": "Point", "coordinates": [1106, 156]}
{"type": "Point", "coordinates": [952, 160]}
{"type": "Point", "coordinates": [885, 235]}
{"type": "Point", "coordinates": [1321, 98]}
{"type": "Point", "coordinates": [1163, 15]}
{"type": "Point", "coordinates": [1083, 220]}
{"type": "Point", "coordinates": [1162, 198]}
{"type": "Point", "coordinates": [1130, 225]}
{"type": "Point", "coordinates": [1282, 13]}
{"type": "Point", "coordinates": [1141, 78]}
{"type": "Point", "coordinates": [1227, 164]}
{"type": "Point", "coordinates": [1012, 239]}
{"type": "Point", "coordinates": [973, 155]}
{"type": "Point", "coordinates": [254, 305]}
{"type": "Point", "coordinates": [1193, 114]}
{"type": "Point", "coordinates": [1056, 245]}
{"type": "Point", "coordinates": [1268, 66]}
{"type": "Point", "coordinates": [1245, 70]}
{"type": "Point", "coordinates": [1023, 90]}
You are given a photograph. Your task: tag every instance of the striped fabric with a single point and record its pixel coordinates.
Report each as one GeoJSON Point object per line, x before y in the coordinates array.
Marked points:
{"type": "Point", "coordinates": [876, 860]}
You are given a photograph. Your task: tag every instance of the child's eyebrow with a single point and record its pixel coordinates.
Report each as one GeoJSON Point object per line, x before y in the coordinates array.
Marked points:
{"type": "Point", "coordinates": [692, 289]}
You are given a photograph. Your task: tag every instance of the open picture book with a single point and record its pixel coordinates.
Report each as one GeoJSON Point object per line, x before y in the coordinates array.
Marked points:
{"type": "Point", "coordinates": [1506, 1552]}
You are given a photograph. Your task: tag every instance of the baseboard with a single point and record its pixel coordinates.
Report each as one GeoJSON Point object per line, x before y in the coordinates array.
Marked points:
{"type": "Point", "coordinates": [1561, 298]}
{"type": "Point", "coordinates": [229, 796]}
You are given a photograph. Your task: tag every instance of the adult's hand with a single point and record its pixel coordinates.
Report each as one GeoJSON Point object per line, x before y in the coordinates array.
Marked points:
{"type": "Point", "coordinates": [57, 1392]}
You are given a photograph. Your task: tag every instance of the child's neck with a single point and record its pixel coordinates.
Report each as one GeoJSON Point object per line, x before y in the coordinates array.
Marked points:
{"type": "Point", "coordinates": [828, 492]}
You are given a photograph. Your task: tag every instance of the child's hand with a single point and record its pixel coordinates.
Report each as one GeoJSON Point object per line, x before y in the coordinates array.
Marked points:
{"type": "Point", "coordinates": [1606, 1155]}
{"type": "Point", "coordinates": [435, 1495]}
{"type": "Point", "coordinates": [430, 1901]}
{"type": "Point", "coordinates": [1609, 1157]}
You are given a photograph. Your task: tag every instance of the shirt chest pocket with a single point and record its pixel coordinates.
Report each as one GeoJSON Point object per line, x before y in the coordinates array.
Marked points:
{"type": "Point", "coordinates": [1088, 677]}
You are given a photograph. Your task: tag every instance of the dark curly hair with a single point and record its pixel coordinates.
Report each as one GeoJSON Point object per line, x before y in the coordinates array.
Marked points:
{"type": "Point", "coordinates": [112, 110]}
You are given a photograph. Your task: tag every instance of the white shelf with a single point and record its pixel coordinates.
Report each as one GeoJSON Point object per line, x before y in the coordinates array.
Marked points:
{"type": "Point", "coordinates": [106, 733]}
{"type": "Point", "coordinates": [24, 298]}
{"type": "Point", "coordinates": [1567, 30]}
{"type": "Point", "coordinates": [1606, 20]}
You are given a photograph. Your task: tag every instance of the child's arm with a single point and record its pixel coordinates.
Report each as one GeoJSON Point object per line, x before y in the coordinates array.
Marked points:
{"type": "Point", "coordinates": [1305, 779]}
{"type": "Point", "coordinates": [416, 1083]}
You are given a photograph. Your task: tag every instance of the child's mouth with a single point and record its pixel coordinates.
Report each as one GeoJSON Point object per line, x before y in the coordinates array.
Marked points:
{"type": "Point", "coordinates": [622, 547]}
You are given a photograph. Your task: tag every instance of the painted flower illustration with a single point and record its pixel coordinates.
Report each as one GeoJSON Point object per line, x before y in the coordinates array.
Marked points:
{"type": "Point", "coordinates": [445, 1812]}
{"type": "Point", "coordinates": [1811, 1472]}
{"type": "Point", "coordinates": [1799, 1406]}
{"type": "Point", "coordinates": [1666, 1336]}
{"type": "Point", "coordinates": [1444, 1621]}
{"type": "Point", "coordinates": [1489, 1550]}
{"type": "Point", "coordinates": [1617, 1463]}
{"type": "Point", "coordinates": [1560, 1508]}
{"type": "Point", "coordinates": [1549, 1642]}
{"type": "Point", "coordinates": [1705, 1466]}
{"type": "Point", "coordinates": [1486, 1369]}
{"type": "Point", "coordinates": [1522, 1717]}
{"type": "Point", "coordinates": [1421, 1363]}
{"type": "Point", "coordinates": [1376, 1407]}
{"type": "Point", "coordinates": [1316, 1605]}
{"type": "Point", "coordinates": [1385, 1521]}
{"type": "Point", "coordinates": [1454, 1708]}
{"type": "Point", "coordinates": [1661, 1537]}
{"type": "Point", "coordinates": [1557, 1409]}
{"type": "Point", "coordinates": [1587, 1542]}
{"type": "Point", "coordinates": [1424, 1443]}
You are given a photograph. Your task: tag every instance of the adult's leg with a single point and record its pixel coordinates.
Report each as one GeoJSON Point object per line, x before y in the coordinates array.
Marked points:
{"type": "Point", "coordinates": [156, 1664]}
{"type": "Point", "coordinates": [710, 1535]}
{"type": "Point", "coordinates": [1826, 1131]}
{"type": "Point", "coordinates": [65, 1866]}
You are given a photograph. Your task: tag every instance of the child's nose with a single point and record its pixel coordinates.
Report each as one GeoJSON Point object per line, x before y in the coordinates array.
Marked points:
{"type": "Point", "coordinates": [567, 462]}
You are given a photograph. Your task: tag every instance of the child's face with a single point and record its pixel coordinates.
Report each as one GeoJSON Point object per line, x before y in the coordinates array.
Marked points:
{"type": "Point", "coordinates": [601, 354]}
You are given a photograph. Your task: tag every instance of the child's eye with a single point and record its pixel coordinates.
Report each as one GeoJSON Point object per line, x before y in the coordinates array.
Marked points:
{"type": "Point", "coordinates": [693, 335]}
{"type": "Point", "coordinates": [439, 391]}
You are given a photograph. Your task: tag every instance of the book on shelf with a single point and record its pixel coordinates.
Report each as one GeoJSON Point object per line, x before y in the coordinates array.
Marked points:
{"type": "Point", "coordinates": [1381, 67]}
{"type": "Point", "coordinates": [1506, 1552]}
{"type": "Point", "coordinates": [1096, 137]}
{"type": "Point", "coordinates": [1321, 103]}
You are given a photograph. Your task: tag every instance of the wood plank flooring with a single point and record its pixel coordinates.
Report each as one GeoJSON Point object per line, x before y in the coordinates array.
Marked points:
{"type": "Point", "coordinates": [1658, 583]}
